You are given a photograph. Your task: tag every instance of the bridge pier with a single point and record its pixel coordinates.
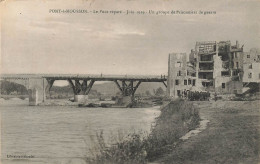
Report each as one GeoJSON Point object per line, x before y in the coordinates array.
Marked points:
{"type": "Point", "coordinates": [81, 89]}
{"type": "Point", "coordinates": [37, 90]}
{"type": "Point", "coordinates": [128, 89]}
{"type": "Point", "coordinates": [35, 85]}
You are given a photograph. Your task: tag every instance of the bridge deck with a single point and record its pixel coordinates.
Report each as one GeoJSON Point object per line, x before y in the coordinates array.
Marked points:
{"type": "Point", "coordinates": [144, 78]}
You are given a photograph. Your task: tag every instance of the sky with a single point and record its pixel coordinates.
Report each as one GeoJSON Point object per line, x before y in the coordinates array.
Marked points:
{"type": "Point", "coordinates": [33, 40]}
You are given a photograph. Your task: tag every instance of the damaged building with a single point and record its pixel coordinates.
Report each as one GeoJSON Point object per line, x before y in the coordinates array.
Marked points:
{"type": "Point", "coordinates": [212, 66]}
{"type": "Point", "coordinates": [219, 66]}
{"type": "Point", "coordinates": [181, 75]}
{"type": "Point", "coordinates": [251, 70]}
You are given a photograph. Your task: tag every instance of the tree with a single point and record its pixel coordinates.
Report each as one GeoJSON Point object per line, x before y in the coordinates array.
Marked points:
{"type": "Point", "coordinates": [159, 91]}
{"type": "Point", "coordinates": [147, 93]}
{"type": "Point", "coordinates": [9, 87]}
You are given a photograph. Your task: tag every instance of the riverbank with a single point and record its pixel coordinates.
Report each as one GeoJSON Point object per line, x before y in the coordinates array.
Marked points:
{"type": "Point", "coordinates": [232, 136]}
{"type": "Point", "coordinates": [176, 119]}
{"type": "Point", "coordinates": [93, 103]}
{"type": "Point", "coordinates": [228, 133]}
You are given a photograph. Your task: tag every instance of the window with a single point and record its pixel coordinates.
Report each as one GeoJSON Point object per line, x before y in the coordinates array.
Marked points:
{"type": "Point", "coordinates": [223, 85]}
{"type": "Point", "coordinates": [209, 47]}
{"type": "Point", "coordinates": [206, 48]}
{"type": "Point", "coordinates": [248, 56]}
{"type": "Point", "coordinates": [193, 82]}
{"type": "Point", "coordinates": [258, 57]}
{"type": "Point", "coordinates": [185, 82]}
{"type": "Point", "coordinates": [250, 66]}
{"type": "Point", "coordinates": [235, 55]}
{"type": "Point", "coordinates": [178, 64]}
{"type": "Point", "coordinates": [237, 64]}
{"type": "Point", "coordinates": [249, 75]}
{"type": "Point", "coordinates": [225, 73]}
{"type": "Point", "coordinates": [179, 73]}
{"type": "Point", "coordinates": [235, 72]}
{"type": "Point", "coordinates": [176, 82]}
{"type": "Point", "coordinates": [189, 82]}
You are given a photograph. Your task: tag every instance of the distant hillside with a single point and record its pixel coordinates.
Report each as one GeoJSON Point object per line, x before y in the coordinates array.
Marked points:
{"type": "Point", "coordinates": [111, 88]}
{"type": "Point", "coordinates": [9, 88]}
{"type": "Point", "coordinates": [150, 87]}
{"type": "Point", "coordinates": [59, 89]}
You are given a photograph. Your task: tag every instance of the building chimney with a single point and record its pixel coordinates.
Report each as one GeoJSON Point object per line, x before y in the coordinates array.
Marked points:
{"type": "Point", "coordinates": [237, 44]}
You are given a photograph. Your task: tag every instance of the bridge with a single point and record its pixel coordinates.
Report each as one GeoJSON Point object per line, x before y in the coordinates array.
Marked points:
{"type": "Point", "coordinates": [39, 85]}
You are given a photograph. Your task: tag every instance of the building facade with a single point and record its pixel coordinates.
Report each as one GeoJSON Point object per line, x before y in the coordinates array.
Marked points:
{"type": "Point", "coordinates": [213, 67]}
{"type": "Point", "coordinates": [251, 67]}
{"type": "Point", "coordinates": [219, 66]}
{"type": "Point", "coordinates": [181, 75]}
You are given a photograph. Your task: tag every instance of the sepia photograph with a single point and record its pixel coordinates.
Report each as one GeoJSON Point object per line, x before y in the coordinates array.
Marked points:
{"type": "Point", "coordinates": [129, 82]}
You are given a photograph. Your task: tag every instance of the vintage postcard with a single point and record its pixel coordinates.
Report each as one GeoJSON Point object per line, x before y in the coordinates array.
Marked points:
{"type": "Point", "coordinates": [128, 81]}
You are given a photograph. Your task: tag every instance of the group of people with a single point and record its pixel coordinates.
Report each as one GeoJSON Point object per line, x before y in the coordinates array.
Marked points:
{"type": "Point", "coordinates": [195, 95]}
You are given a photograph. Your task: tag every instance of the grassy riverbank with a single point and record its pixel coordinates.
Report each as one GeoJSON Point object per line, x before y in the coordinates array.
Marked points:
{"type": "Point", "coordinates": [232, 136]}
{"type": "Point", "coordinates": [176, 119]}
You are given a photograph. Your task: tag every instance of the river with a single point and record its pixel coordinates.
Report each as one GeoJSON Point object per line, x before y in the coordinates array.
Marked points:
{"type": "Point", "coordinates": [64, 134]}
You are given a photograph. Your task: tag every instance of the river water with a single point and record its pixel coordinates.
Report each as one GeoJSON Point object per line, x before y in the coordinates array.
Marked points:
{"type": "Point", "coordinates": [64, 134]}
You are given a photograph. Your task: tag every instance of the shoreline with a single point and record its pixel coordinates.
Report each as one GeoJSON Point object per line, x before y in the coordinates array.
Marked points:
{"type": "Point", "coordinates": [176, 119]}
{"type": "Point", "coordinates": [93, 103]}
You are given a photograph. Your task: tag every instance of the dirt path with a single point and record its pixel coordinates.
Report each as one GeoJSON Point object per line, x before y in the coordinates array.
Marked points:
{"type": "Point", "coordinates": [232, 135]}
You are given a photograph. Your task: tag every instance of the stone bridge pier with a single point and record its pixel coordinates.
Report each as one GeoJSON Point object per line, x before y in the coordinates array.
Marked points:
{"type": "Point", "coordinates": [39, 87]}
{"type": "Point", "coordinates": [36, 88]}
